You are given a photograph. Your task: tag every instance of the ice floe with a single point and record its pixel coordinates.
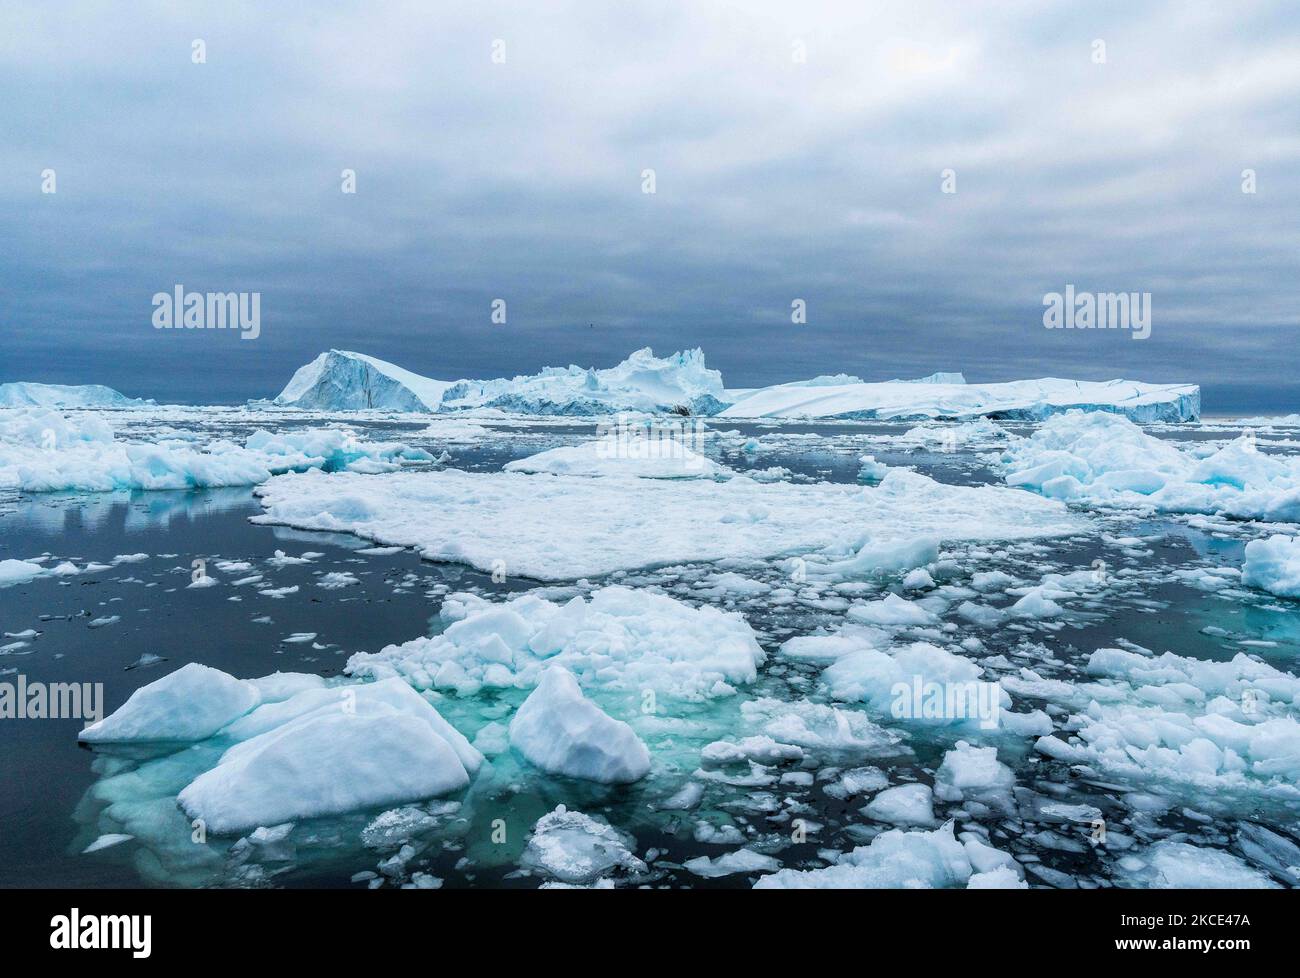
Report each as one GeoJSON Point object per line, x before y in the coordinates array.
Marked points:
{"type": "Point", "coordinates": [566, 527]}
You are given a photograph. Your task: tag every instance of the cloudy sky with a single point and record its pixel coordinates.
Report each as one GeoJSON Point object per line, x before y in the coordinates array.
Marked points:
{"type": "Point", "coordinates": [798, 152]}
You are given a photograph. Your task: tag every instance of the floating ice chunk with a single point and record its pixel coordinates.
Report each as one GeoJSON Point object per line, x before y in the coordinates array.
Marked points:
{"type": "Point", "coordinates": [324, 764]}
{"type": "Point", "coordinates": [620, 638]}
{"type": "Point", "coordinates": [1181, 866]}
{"type": "Point", "coordinates": [871, 469]}
{"type": "Point", "coordinates": [894, 860]}
{"type": "Point", "coordinates": [974, 772]}
{"type": "Point", "coordinates": [891, 611]}
{"type": "Point", "coordinates": [576, 848]}
{"type": "Point", "coordinates": [561, 731]}
{"type": "Point", "coordinates": [904, 804]}
{"type": "Point", "coordinates": [821, 729]}
{"type": "Point", "coordinates": [1002, 878]}
{"type": "Point", "coordinates": [730, 863]}
{"type": "Point", "coordinates": [628, 458]}
{"type": "Point", "coordinates": [1274, 565]}
{"type": "Point", "coordinates": [918, 580]}
{"type": "Point", "coordinates": [19, 571]}
{"type": "Point", "coordinates": [597, 526]}
{"type": "Point", "coordinates": [192, 703]}
{"type": "Point", "coordinates": [1104, 459]}
{"type": "Point", "coordinates": [891, 681]}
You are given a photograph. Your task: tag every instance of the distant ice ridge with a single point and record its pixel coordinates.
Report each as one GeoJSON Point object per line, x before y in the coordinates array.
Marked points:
{"type": "Point", "coordinates": [339, 380]}
{"type": "Point", "coordinates": [343, 381]}
{"type": "Point", "coordinates": [642, 382]}
{"type": "Point", "coordinates": [46, 451]}
{"type": "Point", "coordinates": [565, 527]}
{"type": "Point", "coordinates": [25, 394]}
{"type": "Point", "coordinates": [935, 397]}
{"type": "Point", "coordinates": [1104, 459]}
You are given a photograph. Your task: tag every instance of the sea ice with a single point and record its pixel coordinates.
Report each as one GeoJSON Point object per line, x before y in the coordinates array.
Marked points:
{"type": "Point", "coordinates": [566, 527]}
{"type": "Point", "coordinates": [618, 638]}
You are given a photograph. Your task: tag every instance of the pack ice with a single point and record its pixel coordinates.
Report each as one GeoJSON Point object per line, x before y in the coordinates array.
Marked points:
{"type": "Point", "coordinates": [49, 451]}
{"type": "Point", "coordinates": [1104, 459]}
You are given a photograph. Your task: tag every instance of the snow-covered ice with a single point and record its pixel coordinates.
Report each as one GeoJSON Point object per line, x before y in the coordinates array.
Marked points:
{"type": "Point", "coordinates": [595, 526]}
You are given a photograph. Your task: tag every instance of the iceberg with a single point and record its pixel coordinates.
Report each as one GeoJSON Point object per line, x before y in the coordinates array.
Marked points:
{"type": "Point", "coordinates": [339, 380]}
{"type": "Point", "coordinates": [561, 731]}
{"type": "Point", "coordinates": [568, 527]}
{"type": "Point", "coordinates": [26, 394]}
{"type": "Point", "coordinates": [1022, 400]}
{"type": "Point", "coordinates": [678, 384]}
{"type": "Point", "coordinates": [1103, 459]}
{"type": "Point", "coordinates": [577, 849]}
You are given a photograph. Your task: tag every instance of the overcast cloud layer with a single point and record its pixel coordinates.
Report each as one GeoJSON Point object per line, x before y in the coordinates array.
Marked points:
{"type": "Point", "coordinates": [775, 180]}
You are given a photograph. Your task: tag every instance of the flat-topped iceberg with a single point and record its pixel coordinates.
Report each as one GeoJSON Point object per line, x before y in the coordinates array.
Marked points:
{"type": "Point", "coordinates": [567, 527]}
{"type": "Point", "coordinates": [1021, 400]}
{"type": "Point", "coordinates": [339, 380]}
{"type": "Point", "coordinates": [27, 394]}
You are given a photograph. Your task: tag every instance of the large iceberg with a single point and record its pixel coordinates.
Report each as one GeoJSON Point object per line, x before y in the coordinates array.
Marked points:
{"type": "Point", "coordinates": [643, 382]}
{"type": "Point", "coordinates": [1021, 400]}
{"type": "Point", "coordinates": [26, 394]}
{"type": "Point", "coordinates": [339, 380]}
{"type": "Point", "coordinates": [566, 527]}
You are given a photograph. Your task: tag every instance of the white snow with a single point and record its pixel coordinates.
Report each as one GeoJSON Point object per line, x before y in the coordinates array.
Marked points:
{"type": "Point", "coordinates": [1104, 459]}
{"type": "Point", "coordinates": [561, 731]}
{"type": "Point", "coordinates": [565, 527]}
{"type": "Point", "coordinates": [620, 638]}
